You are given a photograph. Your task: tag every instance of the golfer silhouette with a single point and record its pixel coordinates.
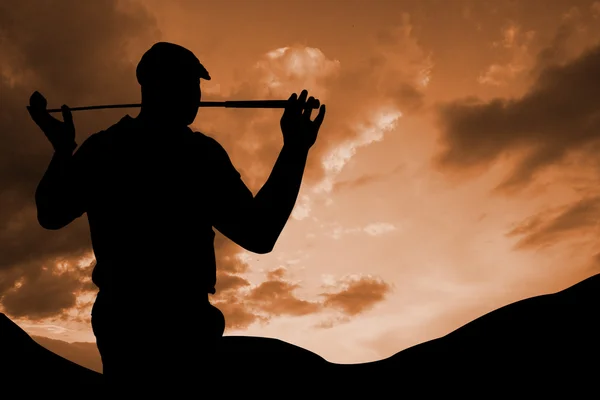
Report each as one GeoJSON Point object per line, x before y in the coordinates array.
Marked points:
{"type": "Point", "coordinates": [153, 190]}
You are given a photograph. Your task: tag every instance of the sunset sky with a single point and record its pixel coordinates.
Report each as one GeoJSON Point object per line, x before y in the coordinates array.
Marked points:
{"type": "Point", "coordinates": [455, 172]}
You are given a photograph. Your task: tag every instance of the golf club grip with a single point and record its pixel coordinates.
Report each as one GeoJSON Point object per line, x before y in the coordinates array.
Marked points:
{"type": "Point", "coordinates": [254, 104]}
{"type": "Point", "coordinates": [226, 104]}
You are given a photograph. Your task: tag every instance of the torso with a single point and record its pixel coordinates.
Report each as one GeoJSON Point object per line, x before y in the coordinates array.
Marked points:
{"type": "Point", "coordinates": [148, 216]}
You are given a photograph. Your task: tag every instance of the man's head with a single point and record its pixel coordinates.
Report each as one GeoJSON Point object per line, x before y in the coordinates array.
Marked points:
{"type": "Point", "coordinates": [170, 75]}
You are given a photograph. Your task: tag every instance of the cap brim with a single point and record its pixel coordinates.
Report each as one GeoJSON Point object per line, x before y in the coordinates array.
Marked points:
{"type": "Point", "coordinates": [203, 73]}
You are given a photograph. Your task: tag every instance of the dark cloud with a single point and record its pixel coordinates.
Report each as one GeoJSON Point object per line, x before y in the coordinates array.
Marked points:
{"type": "Point", "coordinates": [571, 222]}
{"type": "Point", "coordinates": [237, 313]}
{"type": "Point", "coordinates": [276, 296]}
{"type": "Point", "coordinates": [24, 244]}
{"type": "Point", "coordinates": [47, 291]}
{"type": "Point", "coordinates": [558, 116]}
{"type": "Point", "coordinates": [244, 305]}
{"type": "Point", "coordinates": [73, 52]}
{"type": "Point", "coordinates": [78, 51]}
{"type": "Point", "coordinates": [228, 282]}
{"type": "Point", "coordinates": [357, 295]}
{"type": "Point", "coordinates": [555, 122]}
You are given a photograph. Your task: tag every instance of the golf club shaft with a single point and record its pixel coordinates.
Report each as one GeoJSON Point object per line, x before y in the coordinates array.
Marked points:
{"type": "Point", "coordinates": [226, 104]}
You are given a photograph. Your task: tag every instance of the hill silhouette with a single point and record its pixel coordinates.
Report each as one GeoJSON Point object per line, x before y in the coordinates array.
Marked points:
{"type": "Point", "coordinates": [27, 364]}
{"type": "Point", "coordinates": [83, 353]}
{"type": "Point", "coordinates": [537, 345]}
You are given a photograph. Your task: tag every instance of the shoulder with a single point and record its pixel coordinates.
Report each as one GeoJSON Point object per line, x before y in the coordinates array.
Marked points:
{"type": "Point", "coordinates": [214, 153]}
{"type": "Point", "coordinates": [105, 137]}
{"type": "Point", "coordinates": [211, 146]}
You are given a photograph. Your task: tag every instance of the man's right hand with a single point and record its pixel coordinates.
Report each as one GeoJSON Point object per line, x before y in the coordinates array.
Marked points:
{"type": "Point", "coordinates": [60, 134]}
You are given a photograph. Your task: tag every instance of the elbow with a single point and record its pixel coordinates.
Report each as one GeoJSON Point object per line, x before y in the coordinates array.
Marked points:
{"type": "Point", "coordinates": [49, 223]}
{"type": "Point", "coordinates": [252, 243]}
{"type": "Point", "coordinates": [50, 226]}
{"type": "Point", "coordinates": [265, 243]}
{"type": "Point", "coordinates": [260, 247]}
{"type": "Point", "coordinates": [44, 217]}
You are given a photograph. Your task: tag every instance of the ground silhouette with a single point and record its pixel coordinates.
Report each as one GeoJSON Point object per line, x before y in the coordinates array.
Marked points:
{"type": "Point", "coordinates": [83, 353]}
{"type": "Point", "coordinates": [538, 345]}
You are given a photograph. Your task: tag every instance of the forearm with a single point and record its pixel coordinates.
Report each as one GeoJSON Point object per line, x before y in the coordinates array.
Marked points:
{"type": "Point", "coordinates": [277, 198]}
{"type": "Point", "coordinates": [53, 190]}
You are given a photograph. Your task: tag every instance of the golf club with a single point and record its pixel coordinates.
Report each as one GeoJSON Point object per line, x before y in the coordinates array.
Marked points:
{"type": "Point", "coordinates": [226, 104]}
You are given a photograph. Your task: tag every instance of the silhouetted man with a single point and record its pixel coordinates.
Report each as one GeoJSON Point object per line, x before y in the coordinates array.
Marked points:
{"type": "Point", "coordinates": [153, 190]}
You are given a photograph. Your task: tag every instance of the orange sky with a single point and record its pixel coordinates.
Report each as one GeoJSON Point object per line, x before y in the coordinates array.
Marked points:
{"type": "Point", "coordinates": [455, 171]}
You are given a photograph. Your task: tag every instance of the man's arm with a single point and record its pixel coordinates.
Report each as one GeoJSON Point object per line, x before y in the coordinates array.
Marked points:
{"type": "Point", "coordinates": [60, 194]}
{"type": "Point", "coordinates": [275, 201]}
{"type": "Point", "coordinates": [255, 222]}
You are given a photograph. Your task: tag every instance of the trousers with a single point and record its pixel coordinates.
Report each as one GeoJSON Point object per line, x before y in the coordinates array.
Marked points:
{"type": "Point", "coordinates": [145, 350]}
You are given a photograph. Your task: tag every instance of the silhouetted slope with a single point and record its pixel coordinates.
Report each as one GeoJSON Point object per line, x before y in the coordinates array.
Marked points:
{"type": "Point", "coordinates": [537, 344]}
{"type": "Point", "coordinates": [25, 362]}
{"type": "Point", "coordinates": [83, 353]}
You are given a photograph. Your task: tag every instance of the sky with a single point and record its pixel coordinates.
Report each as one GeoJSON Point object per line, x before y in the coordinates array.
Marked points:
{"type": "Point", "coordinates": [455, 172]}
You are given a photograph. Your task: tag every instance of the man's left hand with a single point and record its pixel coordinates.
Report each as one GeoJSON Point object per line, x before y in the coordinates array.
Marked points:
{"type": "Point", "coordinates": [299, 131]}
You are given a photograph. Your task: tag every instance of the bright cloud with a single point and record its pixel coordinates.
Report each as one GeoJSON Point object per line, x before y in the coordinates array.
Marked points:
{"type": "Point", "coordinates": [286, 69]}
{"type": "Point", "coordinates": [379, 228]}
{"type": "Point", "coordinates": [373, 229]}
{"type": "Point", "coordinates": [382, 122]}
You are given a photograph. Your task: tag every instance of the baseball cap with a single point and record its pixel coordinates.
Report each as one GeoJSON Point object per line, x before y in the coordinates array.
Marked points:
{"type": "Point", "coordinates": [166, 61]}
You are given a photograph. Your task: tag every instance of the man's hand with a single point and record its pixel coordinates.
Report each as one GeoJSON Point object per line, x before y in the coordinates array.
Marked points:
{"type": "Point", "coordinates": [298, 130]}
{"type": "Point", "coordinates": [60, 134]}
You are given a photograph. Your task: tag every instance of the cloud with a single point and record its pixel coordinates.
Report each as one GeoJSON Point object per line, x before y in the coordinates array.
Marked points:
{"type": "Point", "coordinates": [556, 117]}
{"type": "Point", "coordinates": [24, 244]}
{"type": "Point", "coordinates": [357, 295]}
{"type": "Point", "coordinates": [247, 304]}
{"type": "Point", "coordinates": [276, 297]}
{"type": "Point", "coordinates": [380, 123]}
{"type": "Point", "coordinates": [373, 229]}
{"type": "Point", "coordinates": [47, 292]}
{"type": "Point", "coordinates": [553, 129]}
{"type": "Point", "coordinates": [379, 228]}
{"type": "Point", "coordinates": [574, 221]}
{"type": "Point", "coordinates": [287, 67]}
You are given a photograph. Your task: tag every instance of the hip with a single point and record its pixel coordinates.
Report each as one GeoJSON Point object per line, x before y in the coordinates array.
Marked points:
{"type": "Point", "coordinates": [126, 315]}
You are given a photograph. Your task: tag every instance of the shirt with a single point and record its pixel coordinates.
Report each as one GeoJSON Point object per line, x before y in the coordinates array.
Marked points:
{"type": "Point", "coordinates": [151, 200]}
